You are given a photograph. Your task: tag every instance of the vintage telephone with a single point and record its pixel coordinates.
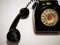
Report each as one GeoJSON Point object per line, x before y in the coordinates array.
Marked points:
{"type": "Point", "coordinates": [47, 18]}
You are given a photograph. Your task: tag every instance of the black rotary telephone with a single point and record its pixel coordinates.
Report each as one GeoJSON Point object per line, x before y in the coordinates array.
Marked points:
{"type": "Point", "coordinates": [47, 18]}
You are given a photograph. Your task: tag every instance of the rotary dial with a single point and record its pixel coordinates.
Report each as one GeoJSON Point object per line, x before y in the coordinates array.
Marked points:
{"type": "Point", "coordinates": [49, 17]}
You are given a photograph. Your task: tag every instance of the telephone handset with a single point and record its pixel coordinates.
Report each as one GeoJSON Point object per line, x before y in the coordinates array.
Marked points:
{"type": "Point", "coordinates": [46, 18]}
{"type": "Point", "coordinates": [14, 35]}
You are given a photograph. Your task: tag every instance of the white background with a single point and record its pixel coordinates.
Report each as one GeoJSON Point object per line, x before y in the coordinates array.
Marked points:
{"type": "Point", "coordinates": [8, 11]}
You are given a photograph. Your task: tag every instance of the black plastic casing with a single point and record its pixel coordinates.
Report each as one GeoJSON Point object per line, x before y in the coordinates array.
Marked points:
{"type": "Point", "coordinates": [39, 26]}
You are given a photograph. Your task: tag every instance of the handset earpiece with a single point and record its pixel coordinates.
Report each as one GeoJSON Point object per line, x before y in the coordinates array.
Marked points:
{"type": "Point", "coordinates": [14, 35]}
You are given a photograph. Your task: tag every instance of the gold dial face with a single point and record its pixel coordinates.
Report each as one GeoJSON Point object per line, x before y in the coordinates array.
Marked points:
{"type": "Point", "coordinates": [49, 17]}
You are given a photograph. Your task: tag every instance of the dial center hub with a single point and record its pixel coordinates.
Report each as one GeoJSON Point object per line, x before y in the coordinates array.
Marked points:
{"type": "Point", "coordinates": [49, 17]}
